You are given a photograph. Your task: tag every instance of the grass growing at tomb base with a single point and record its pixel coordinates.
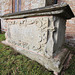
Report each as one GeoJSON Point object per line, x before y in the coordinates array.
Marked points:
{"type": "Point", "coordinates": [13, 63]}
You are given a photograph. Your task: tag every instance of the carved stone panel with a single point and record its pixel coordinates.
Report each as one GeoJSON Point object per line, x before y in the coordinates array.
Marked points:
{"type": "Point", "coordinates": [39, 38]}
{"type": "Point", "coordinates": [28, 33]}
{"type": "Point", "coordinates": [43, 35]}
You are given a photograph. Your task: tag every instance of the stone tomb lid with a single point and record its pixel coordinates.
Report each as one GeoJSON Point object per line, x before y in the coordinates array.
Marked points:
{"type": "Point", "coordinates": [62, 10]}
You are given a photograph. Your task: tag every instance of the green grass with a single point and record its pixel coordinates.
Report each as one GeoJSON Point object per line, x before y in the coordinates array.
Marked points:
{"type": "Point", "coordinates": [13, 63]}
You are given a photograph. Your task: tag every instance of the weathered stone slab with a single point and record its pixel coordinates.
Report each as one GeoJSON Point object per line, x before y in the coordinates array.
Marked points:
{"type": "Point", "coordinates": [39, 34]}
{"type": "Point", "coordinates": [56, 9]}
{"type": "Point", "coordinates": [39, 38]}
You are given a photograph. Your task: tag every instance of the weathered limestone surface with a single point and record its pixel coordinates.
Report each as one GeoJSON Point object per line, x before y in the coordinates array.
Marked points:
{"type": "Point", "coordinates": [39, 34]}
{"type": "Point", "coordinates": [39, 38]}
{"type": "Point", "coordinates": [42, 35]}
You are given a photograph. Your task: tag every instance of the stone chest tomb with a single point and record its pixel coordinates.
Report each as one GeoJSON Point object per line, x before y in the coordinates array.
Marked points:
{"type": "Point", "coordinates": [39, 34]}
